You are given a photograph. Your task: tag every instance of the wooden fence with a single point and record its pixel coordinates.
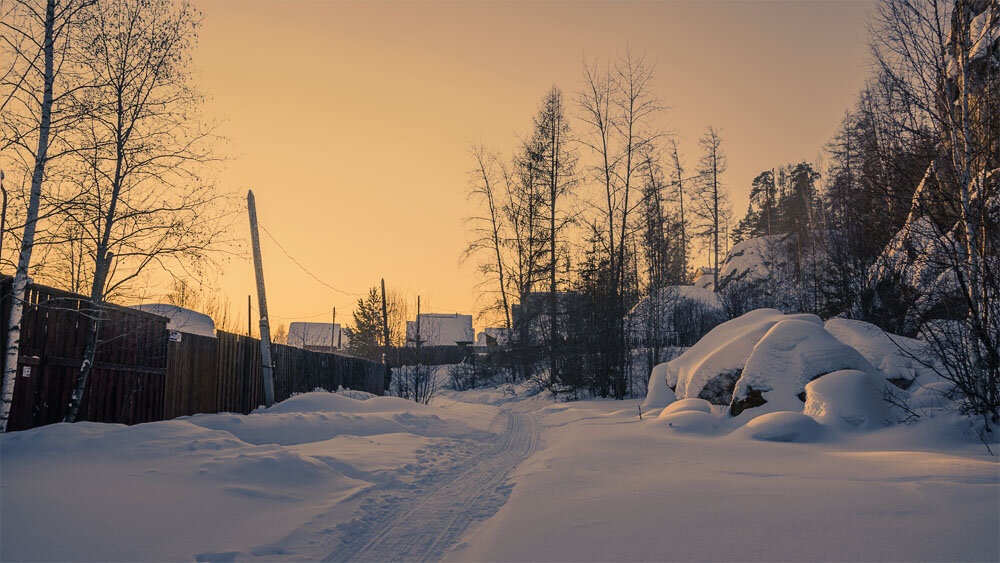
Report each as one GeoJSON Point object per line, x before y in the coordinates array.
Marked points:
{"type": "Point", "coordinates": [127, 380]}
{"type": "Point", "coordinates": [140, 375]}
{"type": "Point", "coordinates": [222, 374]}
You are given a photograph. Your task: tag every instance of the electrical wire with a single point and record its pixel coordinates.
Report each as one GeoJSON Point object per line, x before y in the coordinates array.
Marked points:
{"type": "Point", "coordinates": [304, 269]}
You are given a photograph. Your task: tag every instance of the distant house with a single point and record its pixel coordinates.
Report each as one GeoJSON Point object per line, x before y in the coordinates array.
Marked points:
{"type": "Point", "coordinates": [704, 278]}
{"type": "Point", "coordinates": [317, 336]}
{"type": "Point", "coordinates": [441, 330]}
{"type": "Point", "coordinates": [181, 319]}
{"type": "Point", "coordinates": [492, 336]}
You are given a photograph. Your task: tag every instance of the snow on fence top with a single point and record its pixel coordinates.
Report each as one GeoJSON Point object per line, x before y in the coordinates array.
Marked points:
{"type": "Point", "coordinates": [181, 319]}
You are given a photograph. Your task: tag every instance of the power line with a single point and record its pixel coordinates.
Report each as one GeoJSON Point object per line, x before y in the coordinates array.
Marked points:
{"type": "Point", "coordinates": [299, 264]}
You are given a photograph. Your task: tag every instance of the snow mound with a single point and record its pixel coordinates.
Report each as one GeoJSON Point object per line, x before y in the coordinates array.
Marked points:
{"type": "Point", "coordinates": [355, 394]}
{"type": "Point", "coordinates": [783, 426]}
{"type": "Point", "coordinates": [322, 401]}
{"type": "Point", "coordinates": [693, 422]}
{"type": "Point", "coordinates": [794, 351]}
{"type": "Point", "coordinates": [848, 400]}
{"type": "Point", "coordinates": [936, 395]}
{"type": "Point", "coordinates": [658, 394]}
{"type": "Point", "coordinates": [710, 369]}
{"type": "Point", "coordinates": [892, 355]}
{"type": "Point", "coordinates": [686, 405]}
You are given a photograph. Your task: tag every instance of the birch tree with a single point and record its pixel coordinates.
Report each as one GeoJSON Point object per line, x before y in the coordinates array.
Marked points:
{"type": "Point", "coordinates": [38, 111]}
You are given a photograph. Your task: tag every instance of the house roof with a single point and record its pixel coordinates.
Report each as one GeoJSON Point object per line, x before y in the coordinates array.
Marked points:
{"type": "Point", "coordinates": [301, 334]}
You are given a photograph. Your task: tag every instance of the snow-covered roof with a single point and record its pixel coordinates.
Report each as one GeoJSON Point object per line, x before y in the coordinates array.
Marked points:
{"type": "Point", "coordinates": [302, 334]}
{"type": "Point", "coordinates": [181, 319]}
{"type": "Point", "coordinates": [441, 329]}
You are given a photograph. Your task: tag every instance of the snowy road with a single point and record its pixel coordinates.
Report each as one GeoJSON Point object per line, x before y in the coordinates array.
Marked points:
{"type": "Point", "coordinates": [421, 528]}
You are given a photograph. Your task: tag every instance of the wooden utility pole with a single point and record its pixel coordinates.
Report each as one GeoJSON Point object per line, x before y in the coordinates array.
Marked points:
{"type": "Point", "coordinates": [418, 322]}
{"type": "Point", "coordinates": [333, 330]}
{"type": "Point", "coordinates": [266, 369]}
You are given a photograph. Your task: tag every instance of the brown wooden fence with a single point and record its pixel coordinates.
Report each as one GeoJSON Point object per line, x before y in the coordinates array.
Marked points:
{"type": "Point", "coordinates": [127, 379]}
{"type": "Point", "coordinates": [140, 375]}
{"type": "Point", "coordinates": [222, 374]}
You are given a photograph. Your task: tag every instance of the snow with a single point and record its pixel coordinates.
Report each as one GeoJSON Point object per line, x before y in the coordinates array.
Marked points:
{"type": "Point", "coordinates": [700, 405]}
{"type": "Point", "coordinates": [505, 474]}
{"type": "Point", "coordinates": [791, 354]}
{"type": "Point", "coordinates": [933, 396]}
{"type": "Point", "coordinates": [895, 357]}
{"type": "Point", "coordinates": [695, 422]}
{"type": "Point", "coordinates": [782, 426]}
{"type": "Point", "coordinates": [849, 400]}
{"type": "Point", "coordinates": [718, 358]}
{"type": "Point", "coordinates": [659, 394]}
{"type": "Point", "coordinates": [441, 330]}
{"type": "Point", "coordinates": [607, 487]}
{"type": "Point", "coordinates": [222, 485]}
{"type": "Point", "coordinates": [181, 319]}
{"type": "Point", "coordinates": [302, 334]}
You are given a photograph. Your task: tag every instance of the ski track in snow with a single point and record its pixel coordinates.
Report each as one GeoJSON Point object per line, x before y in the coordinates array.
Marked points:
{"type": "Point", "coordinates": [422, 528]}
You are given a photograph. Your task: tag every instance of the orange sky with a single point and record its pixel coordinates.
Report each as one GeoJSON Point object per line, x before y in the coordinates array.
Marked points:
{"type": "Point", "coordinates": [351, 121]}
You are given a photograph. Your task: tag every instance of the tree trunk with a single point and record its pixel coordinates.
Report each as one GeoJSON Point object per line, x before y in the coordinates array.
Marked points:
{"type": "Point", "coordinates": [28, 240]}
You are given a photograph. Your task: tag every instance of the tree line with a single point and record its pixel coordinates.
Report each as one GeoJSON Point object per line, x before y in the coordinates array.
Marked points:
{"type": "Point", "coordinates": [591, 211]}
{"type": "Point", "coordinates": [899, 228]}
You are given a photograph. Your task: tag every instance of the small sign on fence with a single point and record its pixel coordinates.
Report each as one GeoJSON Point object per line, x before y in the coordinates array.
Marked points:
{"type": "Point", "coordinates": [175, 336]}
{"type": "Point", "coordinates": [26, 371]}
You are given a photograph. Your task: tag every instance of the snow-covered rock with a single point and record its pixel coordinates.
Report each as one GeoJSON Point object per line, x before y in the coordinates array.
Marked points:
{"type": "Point", "coordinates": [710, 368]}
{"type": "Point", "coordinates": [783, 426]}
{"type": "Point", "coordinates": [753, 259]}
{"type": "Point", "coordinates": [935, 395]}
{"type": "Point", "coordinates": [693, 422]}
{"type": "Point", "coordinates": [658, 394]}
{"type": "Point", "coordinates": [794, 351]}
{"type": "Point", "coordinates": [894, 356]}
{"type": "Point", "coordinates": [848, 400]}
{"type": "Point", "coordinates": [688, 405]}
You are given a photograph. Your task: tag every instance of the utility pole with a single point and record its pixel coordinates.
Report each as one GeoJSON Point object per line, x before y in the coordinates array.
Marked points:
{"type": "Point", "coordinates": [333, 330]}
{"type": "Point", "coordinates": [418, 322]}
{"type": "Point", "coordinates": [249, 318]}
{"type": "Point", "coordinates": [266, 369]}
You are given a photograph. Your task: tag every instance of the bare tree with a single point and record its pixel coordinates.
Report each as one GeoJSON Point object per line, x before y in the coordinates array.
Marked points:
{"type": "Point", "coordinates": [37, 109]}
{"type": "Point", "coordinates": [144, 198]}
{"type": "Point", "coordinates": [555, 162]}
{"type": "Point", "coordinates": [619, 110]}
{"type": "Point", "coordinates": [711, 202]}
{"type": "Point", "coordinates": [491, 228]}
{"type": "Point", "coordinates": [682, 223]}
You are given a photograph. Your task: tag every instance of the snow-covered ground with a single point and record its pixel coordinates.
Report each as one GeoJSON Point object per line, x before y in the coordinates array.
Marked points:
{"type": "Point", "coordinates": [502, 474]}
{"type": "Point", "coordinates": [607, 487]}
